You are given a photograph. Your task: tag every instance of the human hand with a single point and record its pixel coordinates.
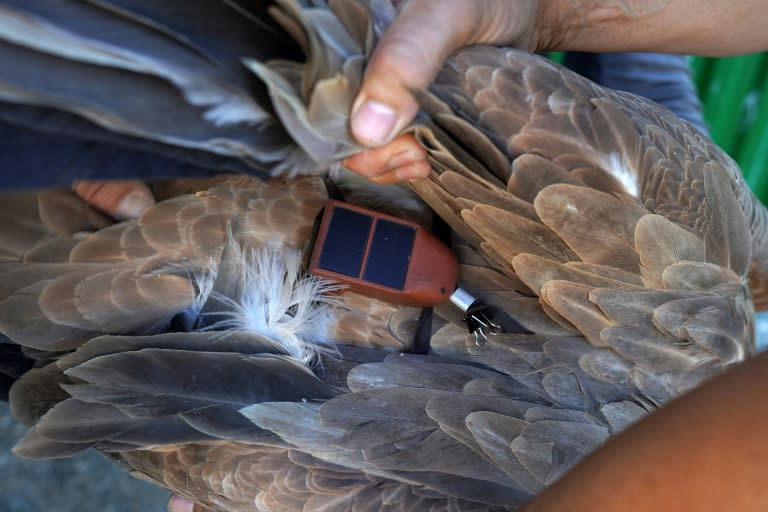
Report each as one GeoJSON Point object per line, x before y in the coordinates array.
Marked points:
{"type": "Point", "coordinates": [408, 58]}
{"type": "Point", "coordinates": [119, 199]}
{"type": "Point", "coordinates": [179, 504]}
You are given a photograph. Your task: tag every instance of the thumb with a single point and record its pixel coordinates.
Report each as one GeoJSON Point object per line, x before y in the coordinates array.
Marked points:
{"type": "Point", "coordinates": [407, 58]}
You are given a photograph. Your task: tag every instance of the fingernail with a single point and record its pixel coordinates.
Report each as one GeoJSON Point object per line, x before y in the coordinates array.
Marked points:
{"type": "Point", "coordinates": [179, 504]}
{"type": "Point", "coordinates": [373, 122]}
{"type": "Point", "coordinates": [132, 204]}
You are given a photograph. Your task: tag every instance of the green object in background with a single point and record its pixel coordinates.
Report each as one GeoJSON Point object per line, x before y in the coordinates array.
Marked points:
{"type": "Point", "coordinates": [556, 56]}
{"type": "Point", "coordinates": [734, 93]}
{"type": "Point", "coordinates": [726, 96]}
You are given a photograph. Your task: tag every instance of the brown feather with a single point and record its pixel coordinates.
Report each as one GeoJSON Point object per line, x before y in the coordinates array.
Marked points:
{"type": "Point", "coordinates": [510, 234]}
{"type": "Point", "coordinates": [598, 227]}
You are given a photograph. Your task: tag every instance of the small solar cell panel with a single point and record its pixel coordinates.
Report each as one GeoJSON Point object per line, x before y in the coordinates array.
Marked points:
{"type": "Point", "coordinates": [344, 246]}
{"type": "Point", "coordinates": [390, 254]}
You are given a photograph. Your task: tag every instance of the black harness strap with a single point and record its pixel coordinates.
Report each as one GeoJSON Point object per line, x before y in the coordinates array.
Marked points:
{"type": "Point", "coordinates": [423, 335]}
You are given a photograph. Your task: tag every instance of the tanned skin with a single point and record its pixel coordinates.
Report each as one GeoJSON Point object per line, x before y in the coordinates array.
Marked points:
{"type": "Point", "coordinates": [427, 31]}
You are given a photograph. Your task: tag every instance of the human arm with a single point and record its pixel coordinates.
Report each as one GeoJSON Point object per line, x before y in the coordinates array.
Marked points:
{"type": "Point", "coordinates": [427, 31]}
{"type": "Point", "coordinates": [704, 451]}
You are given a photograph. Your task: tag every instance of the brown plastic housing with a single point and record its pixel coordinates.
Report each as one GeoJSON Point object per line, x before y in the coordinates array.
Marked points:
{"type": "Point", "coordinates": [382, 256]}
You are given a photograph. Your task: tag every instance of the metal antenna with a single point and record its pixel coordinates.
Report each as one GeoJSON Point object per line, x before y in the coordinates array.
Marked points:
{"type": "Point", "coordinates": [478, 322]}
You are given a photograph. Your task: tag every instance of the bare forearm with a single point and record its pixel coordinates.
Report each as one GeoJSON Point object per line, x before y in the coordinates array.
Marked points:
{"type": "Point", "coordinates": [425, 32]}
{"type": "Point", "coordinates": [706, 451]}
{"type": "Point", "coordinates": [717, 27]}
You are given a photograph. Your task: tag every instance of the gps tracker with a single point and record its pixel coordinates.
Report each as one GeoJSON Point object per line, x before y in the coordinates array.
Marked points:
{"type": "Point", "coordinates": [382, 256]}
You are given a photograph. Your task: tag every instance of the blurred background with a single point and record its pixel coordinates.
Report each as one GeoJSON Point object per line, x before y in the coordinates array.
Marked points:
{"type": "Point", "coordinates": [731, 90]}
{"type": "Point", "coordinates": [85, 483]}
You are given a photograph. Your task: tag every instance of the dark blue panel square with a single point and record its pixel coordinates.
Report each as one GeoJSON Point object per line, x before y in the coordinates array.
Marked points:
{"type": "Point", "coordinates": [345, 242]}
{"type": "Point", "coordinates": [390, 254]}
